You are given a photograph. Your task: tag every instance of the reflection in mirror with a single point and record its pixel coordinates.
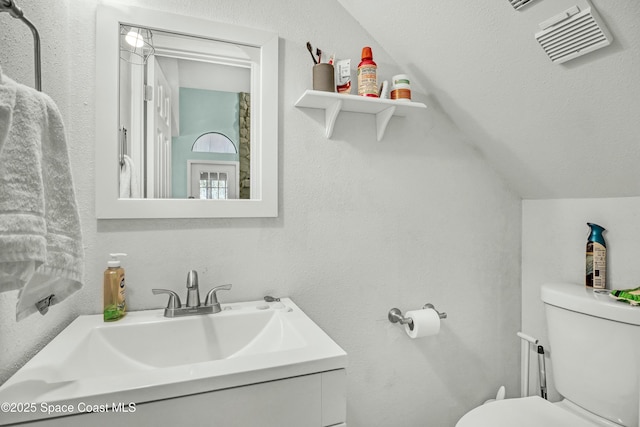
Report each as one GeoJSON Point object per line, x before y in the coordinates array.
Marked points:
{"type": "Point", "coordinates": [165, 85]}
{"type": "Point", "coordinates": [136, 44]}
{"type": "Point", "coordinates": [184, 89]}
{"type": "Point", "coordinates": [214, 142]}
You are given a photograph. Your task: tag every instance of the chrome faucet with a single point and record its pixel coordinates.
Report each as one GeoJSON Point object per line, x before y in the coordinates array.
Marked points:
{"type": "Point", "coordinates": [193, 306]}
{"type": "Point", "coordinates": [193, 293]}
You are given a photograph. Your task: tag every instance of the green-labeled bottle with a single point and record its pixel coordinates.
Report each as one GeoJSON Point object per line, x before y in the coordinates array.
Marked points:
{"type": "Point", "coordinates": [596, 266]}
{"type": "Point", "coordinates": [115, 304]}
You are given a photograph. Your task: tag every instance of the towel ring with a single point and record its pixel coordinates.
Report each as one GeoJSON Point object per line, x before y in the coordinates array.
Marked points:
{"type": "Point", "coordinates": [16, 12]}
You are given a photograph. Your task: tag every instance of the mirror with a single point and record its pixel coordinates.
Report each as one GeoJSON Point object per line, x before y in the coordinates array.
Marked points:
{"type": "Point", "coordinates": [186, 117]}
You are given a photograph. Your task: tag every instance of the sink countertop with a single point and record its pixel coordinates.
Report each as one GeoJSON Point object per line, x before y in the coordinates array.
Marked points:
{"type": "Point", "coordinates": [36, 382]}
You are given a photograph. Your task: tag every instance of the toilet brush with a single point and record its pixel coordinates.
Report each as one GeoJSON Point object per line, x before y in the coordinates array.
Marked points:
{"type": "Point", "coordinates": [542, 372]}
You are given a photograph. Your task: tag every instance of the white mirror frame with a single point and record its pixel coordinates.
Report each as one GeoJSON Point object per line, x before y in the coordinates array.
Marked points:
{"type": "Point", "coordinates": [264, 136]}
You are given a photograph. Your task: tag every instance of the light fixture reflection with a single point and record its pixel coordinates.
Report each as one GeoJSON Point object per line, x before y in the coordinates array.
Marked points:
{"type": "Point", "coordinates": [136, 44]}
{"type": "Point", "coordinates": [134, 39]}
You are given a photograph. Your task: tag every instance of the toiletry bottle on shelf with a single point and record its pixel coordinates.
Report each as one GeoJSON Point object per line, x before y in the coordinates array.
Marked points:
{"type": "Point", "coordinates": [596, 271]}
{"type": "Point", "coordinates": [367, 74]}
{"type": "Point", "coordinates": [115, 305]}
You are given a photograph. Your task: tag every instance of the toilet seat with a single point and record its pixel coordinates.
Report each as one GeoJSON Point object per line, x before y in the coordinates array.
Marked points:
{"type": "Point", "coordinates": [523, 412]}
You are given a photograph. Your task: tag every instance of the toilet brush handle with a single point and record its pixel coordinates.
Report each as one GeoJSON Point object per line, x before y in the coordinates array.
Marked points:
{"type": "Point", "coordinates": [542, 372]}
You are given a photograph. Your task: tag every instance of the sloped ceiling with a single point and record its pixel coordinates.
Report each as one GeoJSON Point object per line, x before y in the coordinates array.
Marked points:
{"type": "Point", "coordinates": [552, 131]}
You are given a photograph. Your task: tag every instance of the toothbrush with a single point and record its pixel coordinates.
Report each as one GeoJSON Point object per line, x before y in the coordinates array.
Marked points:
{"type": "Point", "coordinates": [319, 53]}
{"type": "Point", "coordinates": [310, 49]}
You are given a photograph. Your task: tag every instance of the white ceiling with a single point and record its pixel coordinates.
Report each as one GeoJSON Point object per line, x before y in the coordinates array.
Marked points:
{"type": "Point", "coordinates": [553, 131]}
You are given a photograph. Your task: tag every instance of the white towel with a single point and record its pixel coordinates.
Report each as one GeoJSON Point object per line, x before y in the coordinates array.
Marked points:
{"type": "Point", "coordinates": [128, 179]}
{"type": "Point", "coordinates": [40, 239]}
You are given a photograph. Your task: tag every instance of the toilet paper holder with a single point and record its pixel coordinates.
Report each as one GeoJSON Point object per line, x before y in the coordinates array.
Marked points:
{"type": "Point", "coordinates": [395, 315]}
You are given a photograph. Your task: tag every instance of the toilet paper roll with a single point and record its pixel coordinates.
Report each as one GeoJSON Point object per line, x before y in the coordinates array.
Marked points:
{"type": "Point", "coordinates": [426, 322]}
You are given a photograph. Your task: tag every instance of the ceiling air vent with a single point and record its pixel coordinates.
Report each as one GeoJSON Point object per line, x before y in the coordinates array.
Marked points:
{"type": "Point", "coordinates": [573, 33]}
{"type": "Point", "coordinates": [517, 4]}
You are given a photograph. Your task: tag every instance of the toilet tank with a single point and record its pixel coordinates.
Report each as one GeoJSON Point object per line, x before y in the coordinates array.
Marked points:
{"type": "Point", "coordinates": [594, 346]}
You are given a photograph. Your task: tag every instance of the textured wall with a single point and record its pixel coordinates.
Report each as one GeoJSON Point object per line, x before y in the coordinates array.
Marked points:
{"type": "Point", "coordinates": [544, 126]}
{"type": "Point", "coordinates": [363, 225]}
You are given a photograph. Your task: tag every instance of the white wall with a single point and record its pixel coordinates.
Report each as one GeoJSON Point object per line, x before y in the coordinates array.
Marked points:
{"type": "Point", "coordinates": [544, 126]}
{"type": "Point", "coordinates": [554, 236]}
{"type": "Point", "coordinates": [364, 226]}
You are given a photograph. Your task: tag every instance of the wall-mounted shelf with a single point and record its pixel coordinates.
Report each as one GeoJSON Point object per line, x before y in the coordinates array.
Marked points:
{"type": "Point", "coordinates": [333, 103]}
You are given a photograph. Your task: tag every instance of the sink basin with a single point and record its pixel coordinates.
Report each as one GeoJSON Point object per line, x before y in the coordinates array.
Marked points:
{"type": "Point", "coordinates": [142, 341]}
{"type": "Point", "coordinates": [146, 357]}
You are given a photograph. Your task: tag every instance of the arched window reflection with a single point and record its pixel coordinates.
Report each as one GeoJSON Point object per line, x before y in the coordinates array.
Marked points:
{"type": "Point", "coordinates": [214, 142]}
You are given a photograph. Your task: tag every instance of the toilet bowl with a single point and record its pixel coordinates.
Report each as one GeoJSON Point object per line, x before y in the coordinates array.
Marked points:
{"type": "Point", "coordinates": [594, 349]}
{"type": "Point", "coordinates": [531, 412]}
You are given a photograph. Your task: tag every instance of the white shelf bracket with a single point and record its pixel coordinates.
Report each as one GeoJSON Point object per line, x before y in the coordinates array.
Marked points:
{"type": "Point", "coordinates": [331, 114]}
{"type": "Point", "coordinates": [334, 103]}
{"type": "Point", "coordinates": [382, 120]}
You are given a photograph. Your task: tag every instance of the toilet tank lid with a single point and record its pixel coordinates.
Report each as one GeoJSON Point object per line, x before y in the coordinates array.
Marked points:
{"type": "Point", "coordinates": [575, 297]}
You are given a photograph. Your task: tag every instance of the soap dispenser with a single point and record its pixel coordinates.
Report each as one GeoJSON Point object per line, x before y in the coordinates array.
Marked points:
{"type": "Point", "coordinates": [115, 305]}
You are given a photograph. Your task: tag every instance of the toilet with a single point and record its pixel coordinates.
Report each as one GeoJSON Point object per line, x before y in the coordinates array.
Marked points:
{"type": "Point", "coordinates": [594, 345]}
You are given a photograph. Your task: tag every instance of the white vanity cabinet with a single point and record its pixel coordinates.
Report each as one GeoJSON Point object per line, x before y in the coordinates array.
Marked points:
{"type": "Point", "coordinates": [315, 400]}
{"type": "Point", "coordinates": [253, 364]}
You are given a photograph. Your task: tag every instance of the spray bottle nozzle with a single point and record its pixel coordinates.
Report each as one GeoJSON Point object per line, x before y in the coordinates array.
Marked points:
{"type": "Point", "coordinates": [115, 262]}
{"type": "Point", "coordinates": [596, 233]}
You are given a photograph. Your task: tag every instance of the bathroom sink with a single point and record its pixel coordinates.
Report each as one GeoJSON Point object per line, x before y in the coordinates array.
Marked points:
{"type": "Point", "coordinates": [143, 341]}
{"type": "Point", "coordinates": [146, 356]}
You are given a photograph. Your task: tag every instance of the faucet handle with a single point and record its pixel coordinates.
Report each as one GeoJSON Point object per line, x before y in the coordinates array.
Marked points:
{"type": "Point", "coordinates": [212, 297]}
{"type": "Point", "coordinates": [174, 299]}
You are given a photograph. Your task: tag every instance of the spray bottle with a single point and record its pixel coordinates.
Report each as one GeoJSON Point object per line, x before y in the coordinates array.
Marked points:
{"type": "Point", "coordinates": [596, 271]}
{"type": "Point", "coordinates": [115, 305]}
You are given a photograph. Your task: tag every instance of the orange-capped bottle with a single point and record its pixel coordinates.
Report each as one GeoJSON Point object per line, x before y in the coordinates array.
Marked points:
{"type": "Point", "coordinates": [367, 74]}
